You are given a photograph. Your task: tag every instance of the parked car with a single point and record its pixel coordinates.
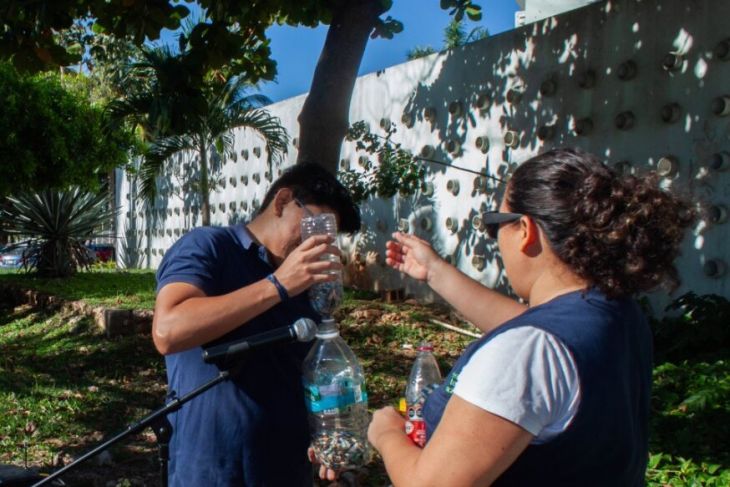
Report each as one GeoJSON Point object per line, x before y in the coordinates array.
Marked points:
{"type": "Point", "coordinates": [102, 252]}
{"type": "Point", "coordinates": [13, 256]}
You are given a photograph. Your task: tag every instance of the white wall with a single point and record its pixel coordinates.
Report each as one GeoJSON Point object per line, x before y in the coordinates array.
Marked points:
{"type": "Point", "coordinates": [599, 37]}
{"type": "Point", "coordinates": [534, 10]}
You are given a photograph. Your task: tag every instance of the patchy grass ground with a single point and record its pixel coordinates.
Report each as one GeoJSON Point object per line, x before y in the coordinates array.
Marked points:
{"type": "Point", "coordinates": [64, 388]}
{"type": "Point", "coordinates": [133, 289]}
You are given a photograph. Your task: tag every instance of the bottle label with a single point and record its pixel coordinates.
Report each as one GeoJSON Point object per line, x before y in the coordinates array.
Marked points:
{"type": "Point", "coordinates": [415, 425]}
{"type": "Point", "coordinates": [332, 398]}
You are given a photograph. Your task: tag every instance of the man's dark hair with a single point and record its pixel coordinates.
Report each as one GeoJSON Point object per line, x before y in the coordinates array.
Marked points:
{"type": "Point", "coordinates": [312, 184]}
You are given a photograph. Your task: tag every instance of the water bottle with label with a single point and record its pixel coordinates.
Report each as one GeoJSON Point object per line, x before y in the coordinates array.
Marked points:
{"type": "Point", "coordinates": [326, 296]}
{"type": "Point", "coordinates": [425, 375]}
{"type": "Point", "coordinates": [334, 390]}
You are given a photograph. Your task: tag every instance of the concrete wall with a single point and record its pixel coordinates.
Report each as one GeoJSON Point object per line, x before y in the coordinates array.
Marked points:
{"type": "Point", "coordinates": [510, 89]}
{"type": "Point", "coordinates": [534, 10]}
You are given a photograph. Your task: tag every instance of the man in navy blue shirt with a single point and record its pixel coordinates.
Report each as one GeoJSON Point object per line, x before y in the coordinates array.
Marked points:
{"type": "Point", "coordinates": [218, 284]}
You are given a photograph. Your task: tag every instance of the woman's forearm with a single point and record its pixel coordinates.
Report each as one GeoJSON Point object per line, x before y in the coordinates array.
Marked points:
{"type": "Point", "coordinates": [484, 307]}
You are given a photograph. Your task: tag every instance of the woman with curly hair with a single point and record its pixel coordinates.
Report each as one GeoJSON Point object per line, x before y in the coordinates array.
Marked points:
{"type": "Point", "coordinates": [557, 390]}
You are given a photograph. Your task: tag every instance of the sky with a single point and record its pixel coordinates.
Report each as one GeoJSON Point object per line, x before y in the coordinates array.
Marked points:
{"type": "Point", "coordinates": [296, 49]}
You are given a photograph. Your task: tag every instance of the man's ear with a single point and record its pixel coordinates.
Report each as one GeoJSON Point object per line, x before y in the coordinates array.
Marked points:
{"type": "Point", "coordinates": [530, 236]}
{"type": "Point", "coordinates": [282, 198]}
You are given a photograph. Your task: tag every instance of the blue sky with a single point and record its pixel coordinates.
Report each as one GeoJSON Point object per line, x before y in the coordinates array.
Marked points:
{"type": "Point", "coordinates": [296, 49]}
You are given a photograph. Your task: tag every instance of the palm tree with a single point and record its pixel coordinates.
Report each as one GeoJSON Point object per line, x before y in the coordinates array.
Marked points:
{"type": "Point", "coordinates": [182, 110]}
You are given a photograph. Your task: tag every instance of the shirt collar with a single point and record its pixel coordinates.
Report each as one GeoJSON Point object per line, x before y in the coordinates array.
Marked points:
{"type": "Point", "coordinates": [246, 240]}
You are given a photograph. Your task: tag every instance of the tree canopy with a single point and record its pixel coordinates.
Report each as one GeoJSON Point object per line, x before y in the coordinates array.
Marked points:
{"type": "Point", "coordinates": [231, 38]}
{"type": "Point", "coordinates": [50, 136]}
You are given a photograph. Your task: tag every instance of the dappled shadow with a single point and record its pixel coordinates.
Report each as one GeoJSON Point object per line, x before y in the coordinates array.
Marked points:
{"type": "Point", "coordinates": [594, 78]}
{"type": "Point", "coordinates": [84, 363]}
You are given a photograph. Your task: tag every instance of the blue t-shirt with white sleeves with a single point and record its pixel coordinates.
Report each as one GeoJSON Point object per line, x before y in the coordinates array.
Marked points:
{"type": "Point", "coordinates": [251, 430]}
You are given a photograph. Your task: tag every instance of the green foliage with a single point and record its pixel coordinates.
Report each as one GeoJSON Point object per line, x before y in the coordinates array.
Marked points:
{"type": "Point", "coordinates": [690, 421]}
{"type": "Point", "coordinates": [51, 136]}
{"type": "Point", "coordinates": [691, 410]}
{"type": "Point", "coordinates": [696, 327]}
{"type": "Point", "coordinates": [396, 171]}
{"type": "Point", "coordinates": [454, 36]}
{"type": "Point", "coordinates": [104, 58]}
{"type": "Point", "coordinates": [419, 51]}
{"type": "Point", "coordinates": [55, 225]}
{"type": "Point", "coordinates": [181, 112]}
{"type": "Point", "coordinates": [665, 470]}
{"type": "Point", "coordinates": [29, 28]}
{"type": "Point", "coordinates": [232, 38]}
{"type": "Point", "coordinates": [461, 7]}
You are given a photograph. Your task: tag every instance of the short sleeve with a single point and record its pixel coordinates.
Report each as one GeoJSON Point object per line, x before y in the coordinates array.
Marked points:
{"type": "Point", "coordinates": [527, 376]}
{"type": "Point", "coordinates": [192, 260]}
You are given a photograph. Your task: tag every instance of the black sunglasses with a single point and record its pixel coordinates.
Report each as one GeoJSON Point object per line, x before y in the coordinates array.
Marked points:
{"type": "Point", "coordinates": [493, 219]}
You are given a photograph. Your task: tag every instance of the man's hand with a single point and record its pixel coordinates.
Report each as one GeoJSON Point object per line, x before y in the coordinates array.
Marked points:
{"type": "Point", "coordinates": [324, 472]}
{"type": "Point", "coordinates": [307, 265]}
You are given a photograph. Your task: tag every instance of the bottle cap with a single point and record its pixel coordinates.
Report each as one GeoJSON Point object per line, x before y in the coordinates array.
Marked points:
{"type": "Point", "coordinates": [327, 329]}
{"type": "Point", "coordinates": [402, 408]}
{"type": "Point", "coordinates": [425, 347]}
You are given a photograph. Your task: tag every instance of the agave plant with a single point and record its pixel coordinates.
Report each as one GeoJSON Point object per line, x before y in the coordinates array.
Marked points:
{"type": "Point", "coordinates": [54, 225]}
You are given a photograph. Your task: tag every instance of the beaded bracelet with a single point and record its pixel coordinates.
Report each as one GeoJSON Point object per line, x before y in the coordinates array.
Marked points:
{"type": "Point", "coordinates": [279, 288]}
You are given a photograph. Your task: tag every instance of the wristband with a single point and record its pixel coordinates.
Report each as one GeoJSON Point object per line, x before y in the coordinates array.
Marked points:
{"type": "Point", "coordinates": [279, 288]}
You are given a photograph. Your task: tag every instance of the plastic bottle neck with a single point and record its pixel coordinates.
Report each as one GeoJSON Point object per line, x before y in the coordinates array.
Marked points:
{"type": "Point", "coordinates": [328, 329]}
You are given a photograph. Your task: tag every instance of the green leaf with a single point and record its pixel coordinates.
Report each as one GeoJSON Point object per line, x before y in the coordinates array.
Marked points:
{"type": "Point", "coordinates": [654, 460]}
{"type": "Point", "coordinates": [97, 28]}
{"type": "Point", "coordinates": [474, 13]}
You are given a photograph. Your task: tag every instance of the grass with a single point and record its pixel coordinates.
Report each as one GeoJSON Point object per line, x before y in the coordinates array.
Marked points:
{"type": "Point", "coordinates": [64, 388]}
{"type": "Point", "coordinates": [134, 289]}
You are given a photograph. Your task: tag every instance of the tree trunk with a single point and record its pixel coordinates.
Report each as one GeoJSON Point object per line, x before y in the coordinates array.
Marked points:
{"type": "Point", "coordinates": [324, 119]}
{"type": "Point", "coordinates": [204, 189]}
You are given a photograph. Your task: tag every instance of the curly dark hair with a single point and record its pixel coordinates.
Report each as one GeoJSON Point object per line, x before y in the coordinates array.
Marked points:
{"type": "Point", "coordinates": [311, 183]}
{"type": "Point", "coordinates": [619, 233]}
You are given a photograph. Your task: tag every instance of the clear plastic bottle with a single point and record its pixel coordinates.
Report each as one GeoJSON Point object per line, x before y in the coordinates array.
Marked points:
{"type": "Point", "coordinates": [334, 389]}
{"type": "Point", "coordinates": [425, 375]}
{"type": "Point", "coordinates": [327, 296]}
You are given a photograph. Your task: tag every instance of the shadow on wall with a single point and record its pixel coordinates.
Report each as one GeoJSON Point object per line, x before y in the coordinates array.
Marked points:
{"type": "Point", "coordinates": [641, 84]}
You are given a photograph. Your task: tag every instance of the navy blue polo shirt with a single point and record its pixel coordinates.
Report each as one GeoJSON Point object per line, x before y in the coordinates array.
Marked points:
{"type": "Point", "coordinates": [251, 430]}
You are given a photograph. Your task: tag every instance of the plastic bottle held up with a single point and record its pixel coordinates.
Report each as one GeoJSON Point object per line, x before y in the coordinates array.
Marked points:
{"type": "Point", "coordinates": [334, 390]}
{"type": "Point", "coordinates": [425, 375]}
{"type": "Point", "coordinates": [327, 296]}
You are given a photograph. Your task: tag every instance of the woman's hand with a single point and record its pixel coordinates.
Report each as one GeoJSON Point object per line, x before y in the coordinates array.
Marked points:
{"type": "Point", "coordinates": [385, 421]}
{"type": "Point", "coordinates": [411, 255]}
{"type": "Point", "coordinates": [305, 265]}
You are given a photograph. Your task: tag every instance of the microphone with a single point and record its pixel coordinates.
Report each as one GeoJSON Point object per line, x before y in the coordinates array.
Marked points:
{"type": "Point", "coordinates": [302, 330]}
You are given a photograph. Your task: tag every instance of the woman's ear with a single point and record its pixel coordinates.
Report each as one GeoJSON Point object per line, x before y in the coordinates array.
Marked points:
{"type": "Point", "coordinates": [282, 198]}
{"type": "Point", "coordinates": [530, 236]}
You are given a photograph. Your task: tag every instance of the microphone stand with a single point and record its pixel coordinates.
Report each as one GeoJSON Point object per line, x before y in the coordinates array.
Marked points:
{"type": "Point", "coordinates": [160, 425]}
